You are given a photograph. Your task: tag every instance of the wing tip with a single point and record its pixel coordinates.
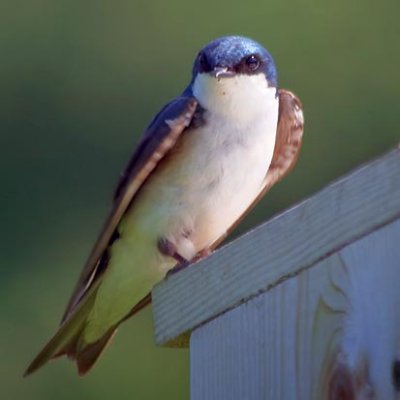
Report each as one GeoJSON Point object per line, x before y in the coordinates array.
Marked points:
{"type": "Point", "coordinates": [30, 370]}
{"type": "Point", "coordinates": [87, 357]}
{"type": "Point", "coordinates": [45, 355]}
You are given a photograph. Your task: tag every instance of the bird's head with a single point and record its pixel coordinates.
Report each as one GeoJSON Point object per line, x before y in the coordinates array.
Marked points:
{"type": "Point", "coordinates": [235, 72]}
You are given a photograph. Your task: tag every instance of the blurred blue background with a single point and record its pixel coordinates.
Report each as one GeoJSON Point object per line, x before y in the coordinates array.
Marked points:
{"type": "Point", "coordinates": [80, 80]}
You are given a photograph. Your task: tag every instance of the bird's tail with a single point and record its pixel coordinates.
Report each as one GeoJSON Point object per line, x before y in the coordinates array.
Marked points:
{"type": "Point", "coordinates": [67, 341]}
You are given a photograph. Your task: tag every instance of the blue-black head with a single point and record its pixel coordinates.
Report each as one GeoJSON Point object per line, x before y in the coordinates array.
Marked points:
{"type": "Point", "coordinates": [232, 55]}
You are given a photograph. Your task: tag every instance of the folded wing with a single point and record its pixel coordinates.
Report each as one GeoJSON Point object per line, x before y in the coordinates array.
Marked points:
{"type": "Point", "coordinates": [161, 136]}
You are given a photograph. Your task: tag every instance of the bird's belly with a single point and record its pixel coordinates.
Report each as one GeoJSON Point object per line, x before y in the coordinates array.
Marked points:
{"type": "Point", "coordinates": [191, 199]}
{"type": "Point", "coordinates": [207, 184]}
{"type": "Point", "coordinates": [229, 184]}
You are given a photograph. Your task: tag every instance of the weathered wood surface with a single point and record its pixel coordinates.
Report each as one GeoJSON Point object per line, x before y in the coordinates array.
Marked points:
{"type": "Point", "coordinates": [331, 332]}
{"type": "Point", "coordinates": [345, 211]}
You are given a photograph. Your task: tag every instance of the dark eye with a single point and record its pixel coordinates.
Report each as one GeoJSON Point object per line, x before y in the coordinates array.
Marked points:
{"type": "Point", "coordinates": [252, 63]}
{"type": "Point", "coordinates": [396, 374]}
{"type": "Point", "coordinates": [203, 62]}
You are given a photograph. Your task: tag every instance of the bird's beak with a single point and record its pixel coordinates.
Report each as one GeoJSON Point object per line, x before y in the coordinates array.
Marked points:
{"type": "Point", "coordinates": [221, 72]}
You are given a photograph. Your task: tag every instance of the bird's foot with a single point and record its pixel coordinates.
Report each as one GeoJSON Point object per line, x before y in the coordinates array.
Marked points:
{"type": "Point", "coordinates": [182, 265]}
{"type": "Point", "coordinates": [167, 248]}
{"type": "Point", "coordinates": [202, 254]}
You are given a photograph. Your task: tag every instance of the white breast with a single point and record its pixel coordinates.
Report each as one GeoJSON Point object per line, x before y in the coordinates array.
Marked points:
{"type": "Point", "coordinates": [219, 169]}
{"type": "Point", "coordinates": [194, 196]}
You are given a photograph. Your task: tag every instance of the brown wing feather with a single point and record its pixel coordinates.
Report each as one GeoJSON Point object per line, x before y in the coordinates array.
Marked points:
{"type": "Point", "coordinates": [148, 154]}
{"type": "Point", "coordinates": [86, 358]}
{"type": "Point", "coordinates": [288, 142]}
{"type": "Point", "coordinates": [288, 139]}
{"type": "Point", "coordinates": [159, 139]}
{"type": "Point", "coordinates": [287, 148]}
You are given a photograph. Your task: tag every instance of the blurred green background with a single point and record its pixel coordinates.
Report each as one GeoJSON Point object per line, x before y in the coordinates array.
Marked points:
{"type": "Point", "coordinates": [80, 80]}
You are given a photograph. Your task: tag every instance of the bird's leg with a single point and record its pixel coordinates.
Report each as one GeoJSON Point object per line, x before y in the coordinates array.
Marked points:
{"type": "Point", "coordinates": [199, 256]}
{"type": "Point", "coordinates": [202, 254]}
{"type": "Point", "coordinates": [168, 249]}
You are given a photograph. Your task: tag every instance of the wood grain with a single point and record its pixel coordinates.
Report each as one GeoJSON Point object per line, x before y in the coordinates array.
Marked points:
{"type": "Point", "coordinates": [331, 332]}
{"type": "Point", "coordinates": [340, 214]}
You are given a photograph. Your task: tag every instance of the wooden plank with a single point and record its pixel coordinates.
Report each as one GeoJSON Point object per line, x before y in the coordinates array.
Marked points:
{"type": "Point", "coordinates": [331, 332]}
{"type": "Point", "coordinates": [341, 213]}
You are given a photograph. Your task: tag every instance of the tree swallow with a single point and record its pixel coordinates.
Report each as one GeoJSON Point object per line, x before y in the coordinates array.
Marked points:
{"type": "Point", "coordinates": [207, 157]}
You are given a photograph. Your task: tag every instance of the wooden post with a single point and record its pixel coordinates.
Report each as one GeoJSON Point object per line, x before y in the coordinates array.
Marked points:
{"type": "Point", "coordinates": [307, 306]}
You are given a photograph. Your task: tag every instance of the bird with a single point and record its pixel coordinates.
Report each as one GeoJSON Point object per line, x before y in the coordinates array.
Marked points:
{"type": "Point", "coordinates": [203, 162]}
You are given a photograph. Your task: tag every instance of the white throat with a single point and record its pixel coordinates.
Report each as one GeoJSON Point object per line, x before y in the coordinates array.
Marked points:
{"type": "Point", "coordinates": [242, 97]}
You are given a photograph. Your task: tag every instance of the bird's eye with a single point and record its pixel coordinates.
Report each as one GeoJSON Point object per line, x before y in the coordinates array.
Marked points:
{"type": "Point", "coordinates": [204, 64]}
{"type": "Point", "coordinates": [396, 374]}
{"type": "Point", "coordinates": [252, 63]}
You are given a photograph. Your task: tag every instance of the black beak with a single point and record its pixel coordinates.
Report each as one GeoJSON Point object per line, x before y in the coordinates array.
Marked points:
{"type": "Point", "coordinates": [221, 72]}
